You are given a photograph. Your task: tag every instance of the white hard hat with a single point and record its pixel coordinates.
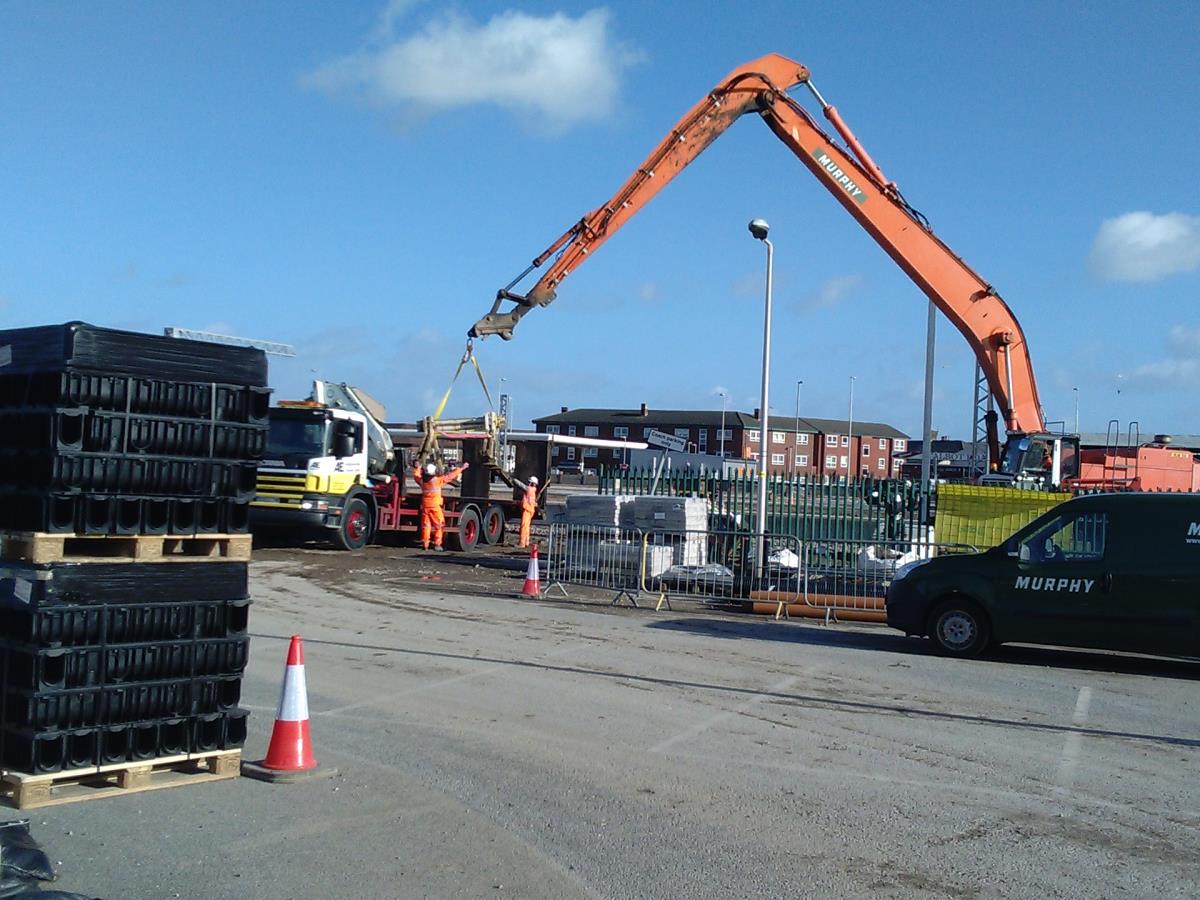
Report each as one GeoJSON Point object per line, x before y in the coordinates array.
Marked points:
{"type": "Point", "coordinates": [430, 469]}
{"type": "Point", "coordinates": [533, 480]}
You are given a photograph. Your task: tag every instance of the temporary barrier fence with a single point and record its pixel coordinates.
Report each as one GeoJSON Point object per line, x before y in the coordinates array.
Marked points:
{"type": "Point", "coordinates": [782, 574]}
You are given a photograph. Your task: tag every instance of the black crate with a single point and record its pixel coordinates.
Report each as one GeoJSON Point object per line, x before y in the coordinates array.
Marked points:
{"type": "Point", "coordinates": [35, 669]}
{"type": "Point", "coordinates": [63, 626]}
{"type": "Point", "coordinates": [53, 513]}
{"type": "Point", "coordinates": [220, 656]}
{"type": "Point", "coordinates": [50, 751]}
{"type": "Point", "coordinates": [149, 661]}
{"type": "Point", "coordinates": [235, 729]}
{"type": "Point", "coordinates": [77, 345]}
{"type": "Point", "coordinates": [106, 475]}
{"type": "Point", "coordinates": [32, 586]}
{"type": "Point", "coordinates": [235, 516]}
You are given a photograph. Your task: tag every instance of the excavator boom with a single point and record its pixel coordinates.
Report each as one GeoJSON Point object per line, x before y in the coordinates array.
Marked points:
{"type": "Point", "coordinates": [854, 180]}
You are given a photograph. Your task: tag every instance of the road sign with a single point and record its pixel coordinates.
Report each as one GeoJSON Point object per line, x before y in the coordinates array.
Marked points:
{"type": "Point", "coordinates": [666, 441]}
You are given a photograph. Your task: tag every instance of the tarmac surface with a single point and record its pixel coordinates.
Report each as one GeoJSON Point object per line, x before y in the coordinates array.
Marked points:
{"type": "Point", "coordinates": [494, 746]}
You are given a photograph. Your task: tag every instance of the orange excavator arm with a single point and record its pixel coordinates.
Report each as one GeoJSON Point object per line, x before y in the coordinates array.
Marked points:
{"type": "Point", "coordinates": [855, 181]}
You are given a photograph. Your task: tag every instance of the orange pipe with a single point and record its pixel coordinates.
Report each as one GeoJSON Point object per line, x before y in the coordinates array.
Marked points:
{"type": "Point", "coordinates": [818, 612]}
{"type": "Point", "coordinates": [836, 601]}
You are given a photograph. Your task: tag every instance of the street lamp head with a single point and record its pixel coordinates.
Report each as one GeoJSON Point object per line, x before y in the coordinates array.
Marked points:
{"type": "Point", "coordinates": [759, 228]}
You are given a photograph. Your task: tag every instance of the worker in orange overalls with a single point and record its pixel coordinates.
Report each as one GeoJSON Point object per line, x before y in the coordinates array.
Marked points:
{"type": "Point", "coordinates": [529, 504]}
{"type": "Point", "coordinates": [433, 518]}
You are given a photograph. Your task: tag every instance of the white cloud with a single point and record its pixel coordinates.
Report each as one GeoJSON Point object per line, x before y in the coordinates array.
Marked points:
{"type": "Point", "coordinates": [649, 292]}
{"type": "Point", "coordinates": [1141, 246]}
{"type": "Point", "coordinates": [1179, 367]}
{"type": "Point", "coordinates": [833, 292]}
{"type": "Point", "coordinates": [555, 70]}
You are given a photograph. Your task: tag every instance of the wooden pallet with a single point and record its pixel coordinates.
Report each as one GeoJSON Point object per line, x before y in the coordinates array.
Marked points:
{"type": "Point", "coordinates": [24, 791]}
{"type": "Point", "coordinates": [40, 547]}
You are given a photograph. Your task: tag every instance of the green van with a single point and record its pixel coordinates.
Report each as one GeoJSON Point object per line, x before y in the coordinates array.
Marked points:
{"type": "Point", "coordinates": [1107, 571]}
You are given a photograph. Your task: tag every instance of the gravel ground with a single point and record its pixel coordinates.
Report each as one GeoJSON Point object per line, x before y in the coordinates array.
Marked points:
{"type": "Point", "coordinates": [492, 746]}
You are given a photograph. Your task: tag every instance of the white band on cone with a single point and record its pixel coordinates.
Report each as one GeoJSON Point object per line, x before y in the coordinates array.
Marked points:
{"type": "Point", "coordinates": [293, 699]}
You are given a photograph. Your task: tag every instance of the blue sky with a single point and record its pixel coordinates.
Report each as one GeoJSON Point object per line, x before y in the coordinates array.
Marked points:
{"type": "Point", "coordinates": [358, 179]}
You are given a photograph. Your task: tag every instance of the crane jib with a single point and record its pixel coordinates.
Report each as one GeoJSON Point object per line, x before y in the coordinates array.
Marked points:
{"type": "Point", "coordinates": [847, 183]}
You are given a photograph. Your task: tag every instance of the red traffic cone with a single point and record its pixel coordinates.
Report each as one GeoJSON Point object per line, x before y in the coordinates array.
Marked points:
{"type": "Point", "coordinates": [290, 755]}
{"type": "Point", "coordinates": [532, 588]}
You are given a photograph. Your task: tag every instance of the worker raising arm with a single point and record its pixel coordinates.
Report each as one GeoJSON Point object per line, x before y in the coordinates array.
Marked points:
{"type": "Point", "coordinates": [433, 518]}
{"type": "Point", "coordinates": [529, 505]}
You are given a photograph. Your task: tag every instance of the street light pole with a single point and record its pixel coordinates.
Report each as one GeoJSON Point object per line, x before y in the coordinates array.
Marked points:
{"type": "Point", "coordinates": [852, 461]}
{"type": "Point", "coordinates": [796, 448]}
{"type": "Point", "coordinates": [724, 397]}
{"type": "Point", "coordinates": [1076, 390]}
{"type": "Point", "coordinates": [759, 230]}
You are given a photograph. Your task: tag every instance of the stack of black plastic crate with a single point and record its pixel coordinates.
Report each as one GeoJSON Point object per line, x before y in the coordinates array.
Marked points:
{"type": "Point", "coordinates": [113, 433]}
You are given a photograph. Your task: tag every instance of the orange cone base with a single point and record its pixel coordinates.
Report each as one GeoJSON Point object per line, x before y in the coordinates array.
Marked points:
{"type": "Point", "coordinates": [282, 776]}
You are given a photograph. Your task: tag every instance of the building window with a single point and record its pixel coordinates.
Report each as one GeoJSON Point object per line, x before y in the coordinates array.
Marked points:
{"type": "Point", "coordinates": [866, 449]}
{"type": "Point", "coordinates": [778, 459]}
{"type": "Point", "coordinates": [802, 440]}
{"type": "Point", "coordinates": [831, 462]}
{"type": "Point", "coordinates": [778, 437]}
{"type": "Point", "coordinates": [683, 433]}
{"type": "Point", "coordinates": [724, 434]}
{"type": "Point", "coordinates": [844, 463]}
{"type": "Point", "coordinates": [571, 430]}
{"type": "Point", "coordinates": [753, 455]}
{"type": "Point", "coordinates": [616, 454]}
{"type": "Point", "coordinates": [801, 460]}
{"type": "Point", "coordinates": [703, 440]}
{"type": "Point", "coordinates": [646, 431]}
{"type": "Point", "coordinates": [1079, 538]}
{"type": "Point", "coordinates": [883, 443]}
{"type": "Point", "coordinates": [554, 451]}
{"type": "Point", "coordinates": [898, 445]}
{"type": "Point", "coordinates": [551, 429]}
{"type": "Point", "coordinates": [881, 463]}
{"type": "Point", "coordinates": [752, 436]}
{"type": "Point", "coordinates": [621, 431]}
{"type": "Point", "coordinates": [570, 453]}
{"type": "Point", "coordinates": [591, 431]}
{"type": "Point", "coordinates": [589, 452]}
{"type": "Point", "coordinates": [831, 440]}
{"type": "Point", "coordinates": [845, 440]}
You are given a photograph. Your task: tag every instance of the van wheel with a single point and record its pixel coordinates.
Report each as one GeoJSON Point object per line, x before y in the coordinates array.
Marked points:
{"type": "Point", "coordinates": [960, 628]}
{"type": "Point", "coordinates": [355, 528]}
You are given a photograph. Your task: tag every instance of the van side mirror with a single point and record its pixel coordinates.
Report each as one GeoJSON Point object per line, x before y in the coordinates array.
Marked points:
{"type": "Point", "coordinates": [343, 445]}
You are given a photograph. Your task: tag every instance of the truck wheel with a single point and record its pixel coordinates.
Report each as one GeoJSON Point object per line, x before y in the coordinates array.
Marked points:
{"type": "Point", "coordinates": [355, 528]}
{"type": "Point", "coordinates": [468, 529]}
{"type": "Point", "coordinates": [959, 627]}
{"type": "Point", "coordinates": [493, 526]}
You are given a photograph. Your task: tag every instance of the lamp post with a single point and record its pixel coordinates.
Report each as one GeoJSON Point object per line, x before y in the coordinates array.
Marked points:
{"type": "Point", "coordinates": [796, 448]}
{"type": "Point", "coordinates": [1076, 392]}
{"type": "Point", "coordinates": [724, 397]}
{"type": "Point", "coordinates": [852, 460]}
{"type": "Point", "coordinates": [759, 229]}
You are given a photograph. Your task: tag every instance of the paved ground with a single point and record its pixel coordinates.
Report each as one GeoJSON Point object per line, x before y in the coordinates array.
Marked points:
{"type": "Point", "coordinates": [492, 746]}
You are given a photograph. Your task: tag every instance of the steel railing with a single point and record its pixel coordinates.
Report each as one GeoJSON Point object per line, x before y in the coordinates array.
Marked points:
{"type": "Point", "coordinates": [828, 578]}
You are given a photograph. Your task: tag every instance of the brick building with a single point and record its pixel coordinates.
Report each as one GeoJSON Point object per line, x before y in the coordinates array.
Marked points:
{"type": "Point", "coordinates": [821, 447]}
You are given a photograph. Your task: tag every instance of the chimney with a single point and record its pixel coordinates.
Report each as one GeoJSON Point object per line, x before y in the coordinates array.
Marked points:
{"type": "Point", "coordinates": [757, 410]}
{"type": "Point", "coordinates": [564, 409]}
{"type": "Point", "coordinates": [645, 411]}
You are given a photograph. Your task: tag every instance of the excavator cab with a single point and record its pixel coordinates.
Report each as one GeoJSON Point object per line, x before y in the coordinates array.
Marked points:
{"type": "Point", "coordinates": [1037, 460]}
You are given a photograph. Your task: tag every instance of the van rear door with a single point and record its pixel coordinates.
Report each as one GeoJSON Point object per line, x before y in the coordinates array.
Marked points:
{"type": "Point", "coordinates": [1158, 575]}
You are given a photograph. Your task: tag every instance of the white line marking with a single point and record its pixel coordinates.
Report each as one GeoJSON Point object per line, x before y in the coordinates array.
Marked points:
{"type": "Point", "coordinates": [701, 727]}
{"type": "Point", "coordinates": [1069, 759]}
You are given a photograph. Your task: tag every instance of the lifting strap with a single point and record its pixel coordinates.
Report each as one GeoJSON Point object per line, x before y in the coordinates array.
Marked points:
{"type": "Point", "coordinates": [468, 356]}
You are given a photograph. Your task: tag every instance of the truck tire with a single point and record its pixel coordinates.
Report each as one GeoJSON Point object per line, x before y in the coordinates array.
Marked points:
{"type": "Point", "coordinates": [469, 529]}
{"type": "Point", "coordinates": [493, 525]}
{"type": "Point", "coordinates": [959, 627]}
{"type": "Point", "coordinates": [354, 530]}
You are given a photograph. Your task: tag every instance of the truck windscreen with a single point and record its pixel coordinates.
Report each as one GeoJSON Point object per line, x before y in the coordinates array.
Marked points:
{"type": "Point", "coordinates": [296, 438]}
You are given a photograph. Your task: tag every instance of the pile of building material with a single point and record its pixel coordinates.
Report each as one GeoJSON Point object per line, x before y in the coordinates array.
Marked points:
{"type": "Point", "coordinates": [614, 510]}
{"type": "Point", "coordinates": [128, 465]}
{"type": "Point", "coordinates": [609, 535]}
{"type": "Point", "coordinates": [680, 523]}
